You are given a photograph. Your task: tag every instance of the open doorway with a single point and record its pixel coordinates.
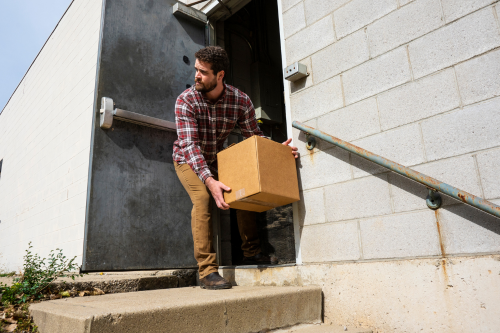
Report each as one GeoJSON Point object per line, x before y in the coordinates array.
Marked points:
{"type": "Point", "coordinates": [251, 38]}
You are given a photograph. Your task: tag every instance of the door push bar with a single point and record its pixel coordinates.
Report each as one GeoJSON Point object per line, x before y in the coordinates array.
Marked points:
{"type": "Point", "coordinates": [108, 112]}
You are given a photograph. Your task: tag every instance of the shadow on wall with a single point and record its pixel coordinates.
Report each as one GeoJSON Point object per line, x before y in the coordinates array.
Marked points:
{"type": "Point", "coordinates": [154, 144]}
{"type": "Point", "coordinates": [453, 211]}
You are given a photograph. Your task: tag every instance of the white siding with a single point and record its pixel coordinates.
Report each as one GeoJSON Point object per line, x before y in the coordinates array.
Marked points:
{"type": "Point", "coordinates": [45, 133]}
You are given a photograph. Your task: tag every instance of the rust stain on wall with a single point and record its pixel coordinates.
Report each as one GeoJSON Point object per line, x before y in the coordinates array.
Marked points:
{"type": "Point", "coordinates": [443, 252]}
{"type": "Point", "coordinates": [311, 155]}
{"type": "Point", "coordinates": [445, 272]}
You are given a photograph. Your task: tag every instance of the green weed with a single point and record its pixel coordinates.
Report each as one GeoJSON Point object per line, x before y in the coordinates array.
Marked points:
{"type": "Point", "coordinates": [37, 274]}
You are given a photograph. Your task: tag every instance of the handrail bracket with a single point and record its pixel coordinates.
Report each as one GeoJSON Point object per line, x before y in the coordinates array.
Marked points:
{"type": "Point", "coordinates": [433, 200]}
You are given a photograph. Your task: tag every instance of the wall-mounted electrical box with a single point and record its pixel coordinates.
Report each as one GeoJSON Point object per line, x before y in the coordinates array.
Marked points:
{"type": "Point", "coordinates": [295, 72]}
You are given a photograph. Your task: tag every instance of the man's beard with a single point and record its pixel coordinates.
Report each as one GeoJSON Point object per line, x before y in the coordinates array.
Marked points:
{"type": "Point", "coordinates": [206, 88]}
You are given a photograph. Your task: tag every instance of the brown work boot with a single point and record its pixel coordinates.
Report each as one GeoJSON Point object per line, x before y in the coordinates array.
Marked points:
{"type": "Point", "coordinates": [260, 259]}
{"type": "Point", "coordinates": [214, 281]}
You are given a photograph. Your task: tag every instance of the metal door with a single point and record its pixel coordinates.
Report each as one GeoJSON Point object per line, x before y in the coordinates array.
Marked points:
{"type": "Point", "coordinates": [138, 213]}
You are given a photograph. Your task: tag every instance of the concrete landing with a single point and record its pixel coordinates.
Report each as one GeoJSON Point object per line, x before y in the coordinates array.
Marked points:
{"type": "Point", "coordinates": [192, 309]}
{"type": "Point", "coordinates": [123, 282]}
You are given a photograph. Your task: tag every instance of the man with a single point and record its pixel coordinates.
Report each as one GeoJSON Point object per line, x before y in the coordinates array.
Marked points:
{"type": "Point", "coordinates": [205, 115]}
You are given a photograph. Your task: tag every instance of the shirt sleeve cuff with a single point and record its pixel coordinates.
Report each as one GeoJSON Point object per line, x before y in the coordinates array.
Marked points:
{"type": "Point", "coordinates": [204, 174]}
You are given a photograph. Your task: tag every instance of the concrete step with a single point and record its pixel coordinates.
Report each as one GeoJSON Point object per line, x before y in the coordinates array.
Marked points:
{"type": "Point", "coordinates": [321, 328]}
{"type": "Point", "coordinates": [122, 282]}
{"type": "Point", "coordinates": [192, 309]}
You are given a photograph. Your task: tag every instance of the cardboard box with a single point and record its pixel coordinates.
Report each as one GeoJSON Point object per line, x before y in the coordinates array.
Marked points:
{"type": "Point", "coordinates": [261, 174]}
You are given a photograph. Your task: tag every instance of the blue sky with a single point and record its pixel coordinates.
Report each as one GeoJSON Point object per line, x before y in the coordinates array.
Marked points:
{"type": "Point", "coordinates": [25, 25]}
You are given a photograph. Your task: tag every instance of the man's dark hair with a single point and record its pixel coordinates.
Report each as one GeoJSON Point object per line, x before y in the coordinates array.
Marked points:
{"type": "Point", "coordinates": [216, 56]}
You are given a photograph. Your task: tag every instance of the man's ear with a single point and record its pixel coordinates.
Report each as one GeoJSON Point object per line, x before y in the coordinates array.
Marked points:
{"type": "Point", "coordinates": [220, 75]}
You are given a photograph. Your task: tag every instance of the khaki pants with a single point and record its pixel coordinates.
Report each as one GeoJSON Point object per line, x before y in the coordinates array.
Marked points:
{"type": "Point", "coordinates": [201, 222]}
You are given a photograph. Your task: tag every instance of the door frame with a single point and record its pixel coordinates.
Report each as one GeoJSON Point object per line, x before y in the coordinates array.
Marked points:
{"type": "Point", "coordinates": [210, 10]}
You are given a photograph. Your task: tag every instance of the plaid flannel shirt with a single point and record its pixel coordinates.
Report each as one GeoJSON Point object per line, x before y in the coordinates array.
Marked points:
{"type": "Point", "coordinates": [202, 127]}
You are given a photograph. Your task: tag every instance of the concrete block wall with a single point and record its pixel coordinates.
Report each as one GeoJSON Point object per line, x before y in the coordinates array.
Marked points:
{"type": "Point", "coordinates": [45, 133]}
{"type": "Point", "coordinates": [417, 82]}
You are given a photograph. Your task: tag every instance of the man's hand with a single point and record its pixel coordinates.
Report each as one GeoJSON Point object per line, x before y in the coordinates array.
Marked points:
{"type": "Point", "coordinates": [217, 189]}
{"type": "Point", "coordinates": [294, 149]}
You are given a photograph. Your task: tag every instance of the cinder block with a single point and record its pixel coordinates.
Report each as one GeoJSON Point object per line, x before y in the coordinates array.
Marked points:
{"type": "Point", "coordinates": [309, 40]}
{"type": "Point", "coordinates": [305, 82]}
{"type": "Point", "coordinates": [407, 195]}
{"type": "Point", "coordinates": [454, 9]}
{"type": "Point", "coordinates": [459, 172]}
{"type": "Point", "coordinates": [299, 140]}
{"type": "Point", "coordinates": [377, 75]}
{"type": "Point", "coordinates": [402, 145]}
{"type": "Point", "coordinates": [404, 25]}
{"type": "Point", "coordinates": [294, 20]}
{"type": "Point", "coordinates": [497, 7]}
{"type": "Point", "coordinates": [362, 167]}
{"type": "Point", "coordinates": [399, 236]}
{"type": "Point", "coordinates": [317, 9]}
{"type": "Point", "coordinates": [287, 4]}
{"type": "Point", "coordinates": [330, 242]}
{"type": "Point", "coordinates": [353, 122]}
{"type": "Point", "coordinates": [465, 229]}
{"type": "Point", "coordinates": [479, 78]}
{"type": "Point", "coordinates": [340, 56]}
{"type": "Point", "coordinates": [489, 170]}
{"type": "Point", "coordinates": [358, 198]}
{"type": "Point", "coordinates": [359, 13]}
{"type": "Point", "coordinates": [459, 41]}
{"type": "Point", "coordinates": [77, 188]}
{"type": "Point", "coordinates": [312, 207]}
{"type": "Point", "coordinates": [466, 130]}
{"type": "Point", "coordinates": [323, 168]}
{"type": "Point", "coordinates": [317, 100]}
{"type": "Point", "coordinates": [419, 99]}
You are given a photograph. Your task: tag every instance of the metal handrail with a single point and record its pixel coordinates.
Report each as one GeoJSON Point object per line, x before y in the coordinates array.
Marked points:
{"type": "Point", "coordinates": [433, 200]}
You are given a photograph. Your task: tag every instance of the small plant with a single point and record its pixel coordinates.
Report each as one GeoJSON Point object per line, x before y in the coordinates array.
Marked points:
{"type": "Point", "coordinates": [37, 275]}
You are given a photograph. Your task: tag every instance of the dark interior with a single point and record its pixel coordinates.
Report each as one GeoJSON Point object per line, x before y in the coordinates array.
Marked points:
{"type": "Point", "coordinates": [251, 38]}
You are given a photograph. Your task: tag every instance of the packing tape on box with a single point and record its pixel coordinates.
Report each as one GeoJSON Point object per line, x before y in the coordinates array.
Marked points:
{"type": "Point", "coordinates": [240, 197]}
{"type": "Point", "coordinates": [258, 202]}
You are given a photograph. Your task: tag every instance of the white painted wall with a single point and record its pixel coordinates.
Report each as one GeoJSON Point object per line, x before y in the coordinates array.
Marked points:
{"type": "Point", "coordinates": [417, 82]}
{"type": "Point", "coordinates": [45, 132]}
